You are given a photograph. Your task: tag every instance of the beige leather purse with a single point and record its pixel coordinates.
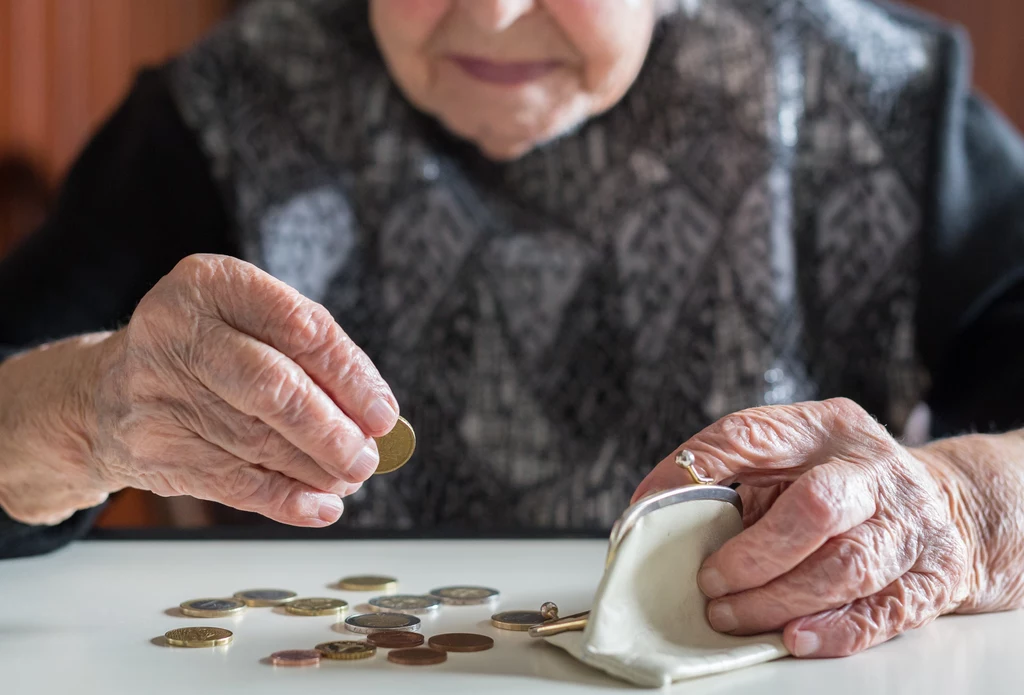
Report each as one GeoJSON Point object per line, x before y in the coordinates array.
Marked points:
{"type": "Point", "coordinates": [648, 622]}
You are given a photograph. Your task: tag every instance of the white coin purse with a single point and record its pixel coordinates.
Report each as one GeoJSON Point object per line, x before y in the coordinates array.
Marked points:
{"type": "Point", "coordinates": [648, 622]}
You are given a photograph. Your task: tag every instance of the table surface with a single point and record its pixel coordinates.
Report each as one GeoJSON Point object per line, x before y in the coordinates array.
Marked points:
{"type": "Point", "coordinates": [90, 619]}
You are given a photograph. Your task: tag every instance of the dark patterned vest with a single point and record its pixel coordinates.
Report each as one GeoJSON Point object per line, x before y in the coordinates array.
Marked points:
{"type": "Point", "coordinates": [741, 229]}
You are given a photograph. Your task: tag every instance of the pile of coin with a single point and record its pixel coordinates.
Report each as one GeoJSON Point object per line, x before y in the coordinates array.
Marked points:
{"type": "Point", "coordinates": [392, 623]}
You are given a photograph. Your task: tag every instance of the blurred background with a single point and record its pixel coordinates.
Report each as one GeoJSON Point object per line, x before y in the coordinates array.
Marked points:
{"type": "Point", "coordinates": [65, 64]}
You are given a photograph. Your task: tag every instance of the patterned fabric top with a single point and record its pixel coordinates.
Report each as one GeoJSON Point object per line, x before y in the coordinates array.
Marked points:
{"type": "Point", "coordinates": [742, 229]}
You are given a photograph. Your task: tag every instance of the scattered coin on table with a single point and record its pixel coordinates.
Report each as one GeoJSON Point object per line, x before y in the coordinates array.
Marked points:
{"type": "Point", "coordinates": [212, 607]}
{"type": "Point", "coordinates": [346, 650]}
{"type": "Point", "coordinates": [405, 603]}
{"type": "Point", "coordinates": [517, 621]}
{"type": "Point", "coordinates": [317, 606]}
{"type": "Point", "coordinates": [198, 637]}
{"type": "Point", "coordinates": [295, 657]}
{"type": "Point", "coordinates": [465, 595]}
{"type": "Point", "coordinates": [368, 582]}
{"type": "Point", "coordinates": [461, 642]}
{"type": "Point", "coordinates": [395, 640]}
{"type": "Point", "coordinates": [372, 622]}
{"type": "Point", "coordinates": [257, 598]}
{"type": "Point", "coordinates": [417, 657]}
{"type": "Point", "coordinates": [396, 447]}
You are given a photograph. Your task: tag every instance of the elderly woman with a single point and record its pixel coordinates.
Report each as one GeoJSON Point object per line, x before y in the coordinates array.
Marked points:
{"type": "Point", "coordinates": [565, 238]}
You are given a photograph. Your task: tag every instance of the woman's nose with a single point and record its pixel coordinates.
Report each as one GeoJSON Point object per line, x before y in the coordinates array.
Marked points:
{"type": "Point", "coordinates": [496, 15]}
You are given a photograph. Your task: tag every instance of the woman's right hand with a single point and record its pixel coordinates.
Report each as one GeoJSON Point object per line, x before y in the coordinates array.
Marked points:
{"type": "Point", "coordinates": [230, 386]}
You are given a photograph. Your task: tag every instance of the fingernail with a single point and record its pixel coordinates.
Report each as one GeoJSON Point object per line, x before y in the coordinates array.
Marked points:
{"type": "Point", "coordinates": [365, 463]}
{"type": "Point", "coordinates": [721, 616]}
{"type": "Point", "coordinates": [331, 508]}
{"type": "Point", "coordinates": [712, 583]}
{"type": "Point", "coordinates": [380, 416]}
{"type": "Point", "coordinates": [805, 643]}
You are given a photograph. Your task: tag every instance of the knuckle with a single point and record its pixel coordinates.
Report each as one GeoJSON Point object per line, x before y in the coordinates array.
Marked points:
{"type": "Point", "coordinates": [847, 568]}
{"type": "Point", "coordinates": [848, 416]}
{"type": "Point", "coordinates": [818, 502]}
{"type": "Point", "coordinates": [753, 431]}
{"type": "Point", "coordinates": [246, 488]}
{"type": "Point", "coordinates": [273, 390]}
{"type": "Point", "coordinates": [254, 437]}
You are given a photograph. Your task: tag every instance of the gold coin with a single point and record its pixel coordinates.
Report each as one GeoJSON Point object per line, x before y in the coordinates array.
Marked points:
{"type": "Point", "coordinates": [212, 607]}
{"type": "Point", "coordinates": [368, 582]}
{"type": "Point", "coordinates": [198, 637]}
{"type": "Point", "coordinates": [395, 447]}
{"type": "Point", "coordinates": [346, 650]}
{"type": "Point", "coordinates": [316, 606]}
{"type": "Point", "coordinates": [517, 621]}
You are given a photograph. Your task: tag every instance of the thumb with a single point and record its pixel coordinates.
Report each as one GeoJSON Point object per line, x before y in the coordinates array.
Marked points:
{"type": "Point", "coordinates": [762, 446]}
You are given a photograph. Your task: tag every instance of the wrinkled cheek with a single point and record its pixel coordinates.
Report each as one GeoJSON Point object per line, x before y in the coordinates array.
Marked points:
{"type": "Point", "coordinates": [610, 37]}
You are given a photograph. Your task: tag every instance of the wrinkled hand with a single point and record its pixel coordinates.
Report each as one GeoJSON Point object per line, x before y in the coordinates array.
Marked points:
{"type": "Point", "coordinates": [849, 539]}
{"type": "Point", "coordinates": [230, 386]}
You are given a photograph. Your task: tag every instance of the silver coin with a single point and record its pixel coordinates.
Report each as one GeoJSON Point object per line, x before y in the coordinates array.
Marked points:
{"type": "Point", "coordinates": [465, 595]}
{"type": "Point", "coordinates": [212, 607]}
{"type": "Point", "coordinates": [405, 603]}
{"type": "Point", "coordinates": [381, 622]}
{"type": "Point", "coordinates": [265, 597]}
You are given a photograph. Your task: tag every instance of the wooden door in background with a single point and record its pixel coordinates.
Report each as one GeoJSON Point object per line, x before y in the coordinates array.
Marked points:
{"type": "Point", "coordinates": [65, 64]}
{"type": "Point", "coordinates": [995, 27]}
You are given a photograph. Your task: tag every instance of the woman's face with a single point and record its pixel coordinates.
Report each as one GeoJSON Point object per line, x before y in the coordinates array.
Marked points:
{"type": "Point", "coordinates": [511, 74]}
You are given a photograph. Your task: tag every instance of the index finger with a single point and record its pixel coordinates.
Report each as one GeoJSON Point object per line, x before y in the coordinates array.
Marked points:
{"type": "Point", "coordinates": [827, 501]}
{"type": "Point", "coordinates": [758, 446]}
{"type": "Point", "coordinates": [274, 313]}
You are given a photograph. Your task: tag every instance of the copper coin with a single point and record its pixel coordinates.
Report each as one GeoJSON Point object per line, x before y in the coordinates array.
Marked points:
{"type": "Point", "coordinates": [394, 640]}
{"type": "Point", "coordinates": [295, 657]}
{"type": "Point", "coordinates": [461, 642]}
{"type": "Point", "coordinates": [417, 657]}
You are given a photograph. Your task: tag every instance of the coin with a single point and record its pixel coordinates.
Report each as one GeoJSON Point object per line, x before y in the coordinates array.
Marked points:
{"type": "Point", "coordinates": [461, 642]}
{"type": "Point", "coordinates": [395, 640]}
{"type": "Point", "coordinates": [212, 607]}
{"type": "Point", "coordinates": [517, 621]}
{"type": "Point", "coordinates": [368, 582]}
{"type": "Point", "coordinates": [295, 657]}
{"type": "Point", "coordinates": [317, 606]}
{"type": "Point", "coordinates": [395, 447]}
{"type": "Point", "coordinates": [465, 595]}
{"type": "Point", "coordinates": [198, 637]}
{"type": "Point", "coordinates": [346, 650]}
{"type": "Point", "coordinates": [265, 597]}
{"type": "Point", "coordinates": [405, 603]}
{"type": "Point", "coordinates": [372, 622]}
{"type": "Point", "coordinates": [417, 657]}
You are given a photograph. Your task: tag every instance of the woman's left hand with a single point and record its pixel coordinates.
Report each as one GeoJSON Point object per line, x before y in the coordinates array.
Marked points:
{"type": "Point", "coordinates": [850, 538]}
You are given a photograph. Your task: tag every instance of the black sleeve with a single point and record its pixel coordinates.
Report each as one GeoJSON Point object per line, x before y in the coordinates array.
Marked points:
{"type": "Point", "coordinates": [972, 290]}
{"type": "Point", "coordinates": [139, 199]}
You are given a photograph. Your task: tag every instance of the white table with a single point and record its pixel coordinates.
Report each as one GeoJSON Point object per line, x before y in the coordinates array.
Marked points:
{"type": "Point", "coordinates": [87, 619]}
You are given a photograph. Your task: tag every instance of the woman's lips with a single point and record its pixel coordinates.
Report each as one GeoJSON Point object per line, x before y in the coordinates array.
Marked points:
{"type": "Point", "coordinates": [504, 73]}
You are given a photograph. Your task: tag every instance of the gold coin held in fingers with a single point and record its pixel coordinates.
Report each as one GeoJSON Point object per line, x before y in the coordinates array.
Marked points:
{"type": "Point", "coordinates": [395, 447]}
{"type": "Point", "coordinates": [316, 606]}
{"type": "Point", "coordinates": [198, 637]}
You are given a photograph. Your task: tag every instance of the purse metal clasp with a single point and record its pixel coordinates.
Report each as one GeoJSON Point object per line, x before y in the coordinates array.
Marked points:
{"type": "Point", "coordinates": [702, 488]}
